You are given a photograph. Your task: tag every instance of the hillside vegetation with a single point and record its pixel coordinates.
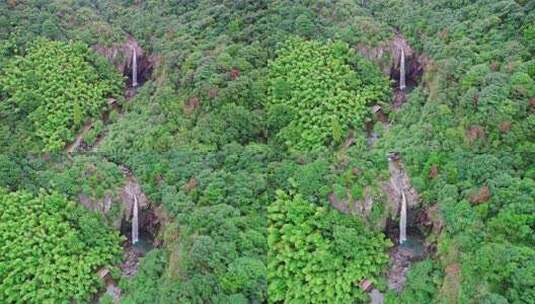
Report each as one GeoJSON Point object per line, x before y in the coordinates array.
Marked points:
{"type": "Point", "coordinates": [269, 147]}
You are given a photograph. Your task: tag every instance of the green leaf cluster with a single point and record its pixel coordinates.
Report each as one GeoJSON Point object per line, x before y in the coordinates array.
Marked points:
{"type": "Point", "coordinates": [318, 255]}
{"type": "Point", "coordinates": [216, 247]}
{"type": "Point", "coordinates": [50, 91]}
{"type": "Point", "coordinates": [466, 137]}
{"type": "Point", "coordinates": [320, 88]}
{"type": "Point", "coordinates": [51, 249]}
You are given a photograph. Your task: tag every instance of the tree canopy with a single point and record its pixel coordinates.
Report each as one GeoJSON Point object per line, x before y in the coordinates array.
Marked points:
{"type": "Point", "coordinates": [51, 249]}
{"type": "Point", "coordinates": [260, 134]}
{"type": "Point", "coordinates": [49, 92]}
{"type": "Point", "coordinates": [318, 92]}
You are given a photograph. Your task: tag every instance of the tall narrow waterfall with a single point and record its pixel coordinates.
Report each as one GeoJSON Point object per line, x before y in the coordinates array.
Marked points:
{"type": "Point", "coordinates": [397, 185]}
{"type": "Point", "coordinates": [402, 71]}
{"type": "Point", "coordinates": [135, 222]}
{"type": "Point", "coordinates": [403, 219]}
{"type": "Point", "coordinates": [134, 67]}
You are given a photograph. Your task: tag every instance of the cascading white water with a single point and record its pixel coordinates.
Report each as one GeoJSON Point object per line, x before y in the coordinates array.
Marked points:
{"type": "Point", "coordinates": [403, 219]}
{"type": "Point", "coordinates": [402, 71]}
{"type": "Point", "coordinates": [135, 221]}
{"type": "Point", "coordinates": [134, 67]}
{"type": "Point", "coordinates": [398, 188]}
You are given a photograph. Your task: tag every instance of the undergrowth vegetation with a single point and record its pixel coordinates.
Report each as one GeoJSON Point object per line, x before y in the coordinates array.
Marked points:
{"type": "Point", "coordinates": [318, 255]}
{"type": "Point", "coordinates": [472, 123]}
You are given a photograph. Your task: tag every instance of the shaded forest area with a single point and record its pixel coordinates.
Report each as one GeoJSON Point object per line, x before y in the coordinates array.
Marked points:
{"type": "Point", "coordinates": [270, 148]}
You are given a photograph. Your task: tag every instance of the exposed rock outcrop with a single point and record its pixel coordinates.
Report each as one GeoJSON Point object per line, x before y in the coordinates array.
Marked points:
{"type": "Point", "coordinates": [388, 57]}
{"type": "Point", "coordinates": [129, 193]}
{"type": "Point", "coordinates": [432, 219]}
{"type": "Point", "coordinates": [103, 206]}
{"type": "Point", "coordinates": [120, 55]}
{"type": "Point", "coordinates": [362, 207]}
{"type": "Point", "coordinates": [399, 181]}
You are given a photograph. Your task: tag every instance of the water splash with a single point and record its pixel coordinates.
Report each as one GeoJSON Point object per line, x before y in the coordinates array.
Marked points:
{"type": "Point", "coordinates": [134, 68]}
{"type": "Point", "coordinates": [402, 71]}
{"type": "Point", "coordinates": [135, 222]}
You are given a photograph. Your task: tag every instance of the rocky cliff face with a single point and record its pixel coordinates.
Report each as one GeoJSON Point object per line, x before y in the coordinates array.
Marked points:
{"type": "Point", "coordinates": [388, 57]}
{"type": "Point", "coordinates": [399, 181]}
{"type": "Point", "coordinates": [120, 55]}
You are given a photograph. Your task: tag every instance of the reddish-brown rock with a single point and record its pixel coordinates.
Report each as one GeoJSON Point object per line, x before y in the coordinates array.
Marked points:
{"type": "Point", "coordinates": [480, 196]}
{"type": "Point", "coordinates": [366, 285]}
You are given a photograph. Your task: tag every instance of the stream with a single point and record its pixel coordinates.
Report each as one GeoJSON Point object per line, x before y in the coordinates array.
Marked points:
{"type": "Point", "coordinates": [402, 256]}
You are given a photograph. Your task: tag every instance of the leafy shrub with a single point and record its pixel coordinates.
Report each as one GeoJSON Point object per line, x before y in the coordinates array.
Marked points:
{"type": "Point", "coordinates": [318, 255]}
{"type": "Point", "coordinates": [92, 134]}
{"type": "Point", "coordinates": [219, 245]}
{"type": "Point", "coordinates": [87, 174]}
{"type": "Point", "coordinates": [318, 85]}
{"type": "Point", "coordinates": [143, 288]}
{"type": "Point", "coordinates": [51, 90]}
{"type": "Point", "coordinates": [421, 286]}
{"type": "Point", "coordinates": [51, 249]}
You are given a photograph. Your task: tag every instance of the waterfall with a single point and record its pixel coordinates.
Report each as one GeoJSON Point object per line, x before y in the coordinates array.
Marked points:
{"type": "Point", "coordinates": [135, 222]}
{"type": "Point", "coordinates": [403, 219]}
{"type": "Point", "coordinates": [134, 67]}
{"type": "Point", "coordinates": [397, 185]}
{"type": "Point", "coordinates": [402, 71]}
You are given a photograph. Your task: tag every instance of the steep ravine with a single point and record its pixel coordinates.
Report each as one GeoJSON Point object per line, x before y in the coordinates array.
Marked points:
{"type": "Point", "coordinates": [138, 210]}
{"type": "Point", "coordinates": [405, 233]}
{"type": "Point", "coordinates": [388, 56]}
{"type": "Point", "coordinates": [136, 70]}
{"type": "Point", "coordinates": [404, 66]}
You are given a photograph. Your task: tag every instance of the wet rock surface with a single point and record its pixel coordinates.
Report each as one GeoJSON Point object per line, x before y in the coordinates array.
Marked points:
{"type": "Point", "coordinates": [120, 55]}
{"type": "Point", "coordinates": [399, 181]}
{"type": "Point", "coordinates": [130, 192]}
{"type": "Point", "coordinates": [388, 56]}
{"type": "Point", "coordinates": [402, 256]}
{"type": "Point", "coordinates": [131, 261]}
{"type": "Point", "coordinates": [397, 274]}
{"type": "Point", "coordinates": [395, 57]}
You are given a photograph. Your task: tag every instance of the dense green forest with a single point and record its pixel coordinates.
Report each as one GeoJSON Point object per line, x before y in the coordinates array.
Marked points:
{"type": "Point", "coordinates": [255, 151]}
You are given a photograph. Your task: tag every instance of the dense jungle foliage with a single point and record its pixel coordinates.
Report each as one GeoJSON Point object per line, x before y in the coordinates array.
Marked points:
{"type": "Point", "coordinates": [317, 93]}
{"type": "Point", "coordinates": [472, 120]}
{"type": "Point", "coordinates": [51, 249]}
{"type": "Point", "coordinates": [260, 134]}
{"type": "Point", "coordinates": [315, 254]}
{"type": "Point", "coordinates": [48, 94]}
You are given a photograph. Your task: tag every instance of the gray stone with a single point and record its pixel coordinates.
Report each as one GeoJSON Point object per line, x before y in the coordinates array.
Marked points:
{"type": "Point", "coordinates": [376, 297]}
